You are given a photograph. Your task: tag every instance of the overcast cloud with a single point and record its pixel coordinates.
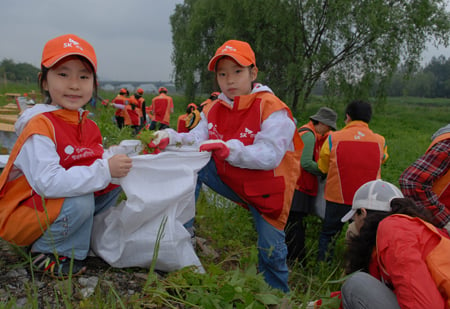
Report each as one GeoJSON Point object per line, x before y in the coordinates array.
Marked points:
{"type": "Point", "coordinates": [132, 38]}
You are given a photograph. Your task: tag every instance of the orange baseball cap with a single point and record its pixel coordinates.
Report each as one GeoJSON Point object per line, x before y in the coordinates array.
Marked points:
{"type": "Point", "coordinates": [240, 51]}
{"type": "Point", "coordinates": [192, 105]}
{"type": "Point", "coordinates": [67, 45]}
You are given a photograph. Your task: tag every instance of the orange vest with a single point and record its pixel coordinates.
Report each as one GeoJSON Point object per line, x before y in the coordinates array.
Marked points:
{"type": "Point", "coordinates": [18, 223]}
{"type": "Point", "coordinates": [307, 182]}
{"type": "Point", "coordinates": [24, 215]}
{"type": "Point", "coordinates": [119, 99]}
{"type": "Point", "coordinates": [356, 154]}
{"type": "Point", "coordinates": [270, 192]}
{"type": "Point", "coordinates": [162, 106]}
{"type": "Point", "coordinates": [442, 186]}
{"type": "Point", "coordinates": [131, 115]}
{"type": "Point", "coordinates": [138, 104]}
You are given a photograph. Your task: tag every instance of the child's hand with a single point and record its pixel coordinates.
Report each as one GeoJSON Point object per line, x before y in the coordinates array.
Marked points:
{"type": "Point", "coordinates": [161, 140]}
{"type": "Point", "coordinates": [119, 165]}
{"type": "Point", "coordinates": [217, 147]}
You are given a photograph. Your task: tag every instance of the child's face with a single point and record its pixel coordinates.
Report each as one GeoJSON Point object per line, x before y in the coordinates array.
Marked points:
{"type": "Point", "coordinates": [234, 79]}
{"type": "Point", "coordinates": [70, 83]}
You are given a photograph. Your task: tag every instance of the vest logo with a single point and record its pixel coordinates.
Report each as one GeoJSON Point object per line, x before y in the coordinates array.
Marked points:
{"type": "Point", "coordinates": [359, 135]}
{"type": "Point", "coordinates": [247, 132]}
{"type": "Point", "coordinates": [69, 149]}
{"type": "Point", "coordinates": [77, 153]}
{"type": "Point", "coordinates": [213, 132]}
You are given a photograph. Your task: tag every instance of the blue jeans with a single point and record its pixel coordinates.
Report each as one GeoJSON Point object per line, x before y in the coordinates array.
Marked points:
{"type": "Point", "coordinates": [70, 234]}
{"type": "Point", "coordinates": [272, 249]}
{"type": "Point", "coordinates": [331, 227]}
{"type": "Point", "coordinates": [362, 291]}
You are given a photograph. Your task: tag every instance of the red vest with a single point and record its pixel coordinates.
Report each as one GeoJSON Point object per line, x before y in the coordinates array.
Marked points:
{"type": "Point", "coordinates": [161, 108]}
{"type": "Point", "coordinates": [270, 192]}
{"type": "Point", "coordinates": [307, 182]}
{"type": "Point", "coordinates": [356, 154]}
{"type": "Point", "coordinates": [442, 186]}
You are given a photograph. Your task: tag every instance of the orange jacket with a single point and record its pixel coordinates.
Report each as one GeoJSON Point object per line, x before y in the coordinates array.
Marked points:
{"type": "Point", "coordinates": [162, 107]}
{"type": "Point", "coordinates": [404, 246]}
{"type": "Point", "coordinates": [270, 192]}
{"type": "Point", "coordinates": [351, 157]}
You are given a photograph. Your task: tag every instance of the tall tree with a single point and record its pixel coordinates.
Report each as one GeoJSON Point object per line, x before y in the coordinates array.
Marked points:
{"type": "Point", "coordinates": [299, 42]}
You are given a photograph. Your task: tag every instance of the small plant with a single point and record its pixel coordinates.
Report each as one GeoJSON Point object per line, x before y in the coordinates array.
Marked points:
{"type": "Point", "coordinates": [146, 136]}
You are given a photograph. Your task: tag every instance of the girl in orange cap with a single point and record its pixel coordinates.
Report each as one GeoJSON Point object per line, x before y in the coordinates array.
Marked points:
{"type": "Point", "coordinates": [255, 159]}
{"type": "Point", "coordinates": [58, 176]}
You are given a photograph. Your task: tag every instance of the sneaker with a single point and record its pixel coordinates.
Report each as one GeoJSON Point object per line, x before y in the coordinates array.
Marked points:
{"type": "Point", "coordinates": [58, 268]}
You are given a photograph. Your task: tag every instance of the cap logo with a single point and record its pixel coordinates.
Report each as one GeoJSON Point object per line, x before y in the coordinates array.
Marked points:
{"type": "Point", "coordinates": [229, 49]}
{"type": "Point", "coordinates": [72, 44]}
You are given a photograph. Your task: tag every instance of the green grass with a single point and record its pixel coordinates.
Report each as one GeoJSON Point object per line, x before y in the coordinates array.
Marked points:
{"type": "Point", "coordinates": [231, 279]}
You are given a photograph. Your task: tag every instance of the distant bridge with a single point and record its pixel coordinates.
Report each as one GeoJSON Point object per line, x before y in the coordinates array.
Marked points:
{"type": "Point", "coordinates": [134, 83]}
{"type": "Point", "coordinates": [148, 86]}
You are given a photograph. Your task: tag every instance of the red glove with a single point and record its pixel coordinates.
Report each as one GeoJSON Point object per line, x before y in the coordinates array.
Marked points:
{"type": "Point", "coordinates": [218, 148]}
{"type": "Point", "coordinates": [160, 141]}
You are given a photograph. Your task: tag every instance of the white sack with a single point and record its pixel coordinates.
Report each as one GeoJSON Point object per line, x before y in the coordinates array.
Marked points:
{"type": "Point", "coordinates": [157, 186]}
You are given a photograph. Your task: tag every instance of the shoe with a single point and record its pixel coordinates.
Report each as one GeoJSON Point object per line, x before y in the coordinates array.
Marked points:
{"type": "Point", "coordinates": [58, 268]}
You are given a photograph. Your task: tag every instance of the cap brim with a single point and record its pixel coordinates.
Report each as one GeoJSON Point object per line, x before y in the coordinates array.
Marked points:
{"type": "Point", "coordinates": [49, 63]}
{"type": "Point", "coordinates": [241, 60]}
{"type": "Point", "coordinates": [331, 125]}
{"type": "Point", "coordinates": [348, 215]}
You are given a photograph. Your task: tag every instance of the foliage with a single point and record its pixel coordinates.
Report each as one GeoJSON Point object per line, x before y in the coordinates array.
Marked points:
{"type": "Point", "coordinates": [112, 135]}
{"type": "Point", "coordinates": [18, 72]}
{"type": "Point", "coordinates": [231, 280]}
{"type": "Point", "coordinates": [299, 42]}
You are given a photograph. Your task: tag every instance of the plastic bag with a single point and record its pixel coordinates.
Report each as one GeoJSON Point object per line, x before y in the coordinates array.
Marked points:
{"type": "Point", "coordinates": [319, 204]}
{"type": "Point", "coordinates": [157, 187]}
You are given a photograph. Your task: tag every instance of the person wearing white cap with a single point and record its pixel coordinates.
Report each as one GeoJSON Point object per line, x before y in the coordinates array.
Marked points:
{"type": "Point", "coordinates": [374, 195]}
{"type": "Point", "coordinates": [389, 259]}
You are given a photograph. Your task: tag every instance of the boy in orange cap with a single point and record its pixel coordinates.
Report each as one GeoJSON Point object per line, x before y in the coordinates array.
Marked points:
{"type": "Point", "coordinates": [255, 162]}
{"type": "Point", "coordinates": [58, 176]}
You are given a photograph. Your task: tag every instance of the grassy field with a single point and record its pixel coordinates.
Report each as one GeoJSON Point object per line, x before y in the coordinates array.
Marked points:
{"type": "Point", "coordinates": [231, 280]}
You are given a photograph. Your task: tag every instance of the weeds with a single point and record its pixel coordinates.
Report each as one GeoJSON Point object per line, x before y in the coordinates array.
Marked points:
{"type": "Point", "coordinates": [231, 279]}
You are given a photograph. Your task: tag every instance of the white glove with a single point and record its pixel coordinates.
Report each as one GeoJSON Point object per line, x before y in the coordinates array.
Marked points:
{"type": "Point", "coordinates": [159, 137]}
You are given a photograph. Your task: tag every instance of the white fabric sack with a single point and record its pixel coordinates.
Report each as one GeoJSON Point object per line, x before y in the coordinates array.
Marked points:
{"type": "Point", "coordinates": [157, 186]}
{"type": "Point", "coordinates": [319, 205]}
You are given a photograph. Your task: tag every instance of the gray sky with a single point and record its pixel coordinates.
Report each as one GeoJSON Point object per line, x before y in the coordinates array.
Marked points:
{"type": "Point", "coordinates": [132, 38]}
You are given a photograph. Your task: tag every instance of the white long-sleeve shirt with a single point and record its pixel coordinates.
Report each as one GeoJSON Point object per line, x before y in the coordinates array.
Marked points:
{"type": "Point", "coordinates": [39, 162]}
{"type": "Point", "coordinates": [268, 148]}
